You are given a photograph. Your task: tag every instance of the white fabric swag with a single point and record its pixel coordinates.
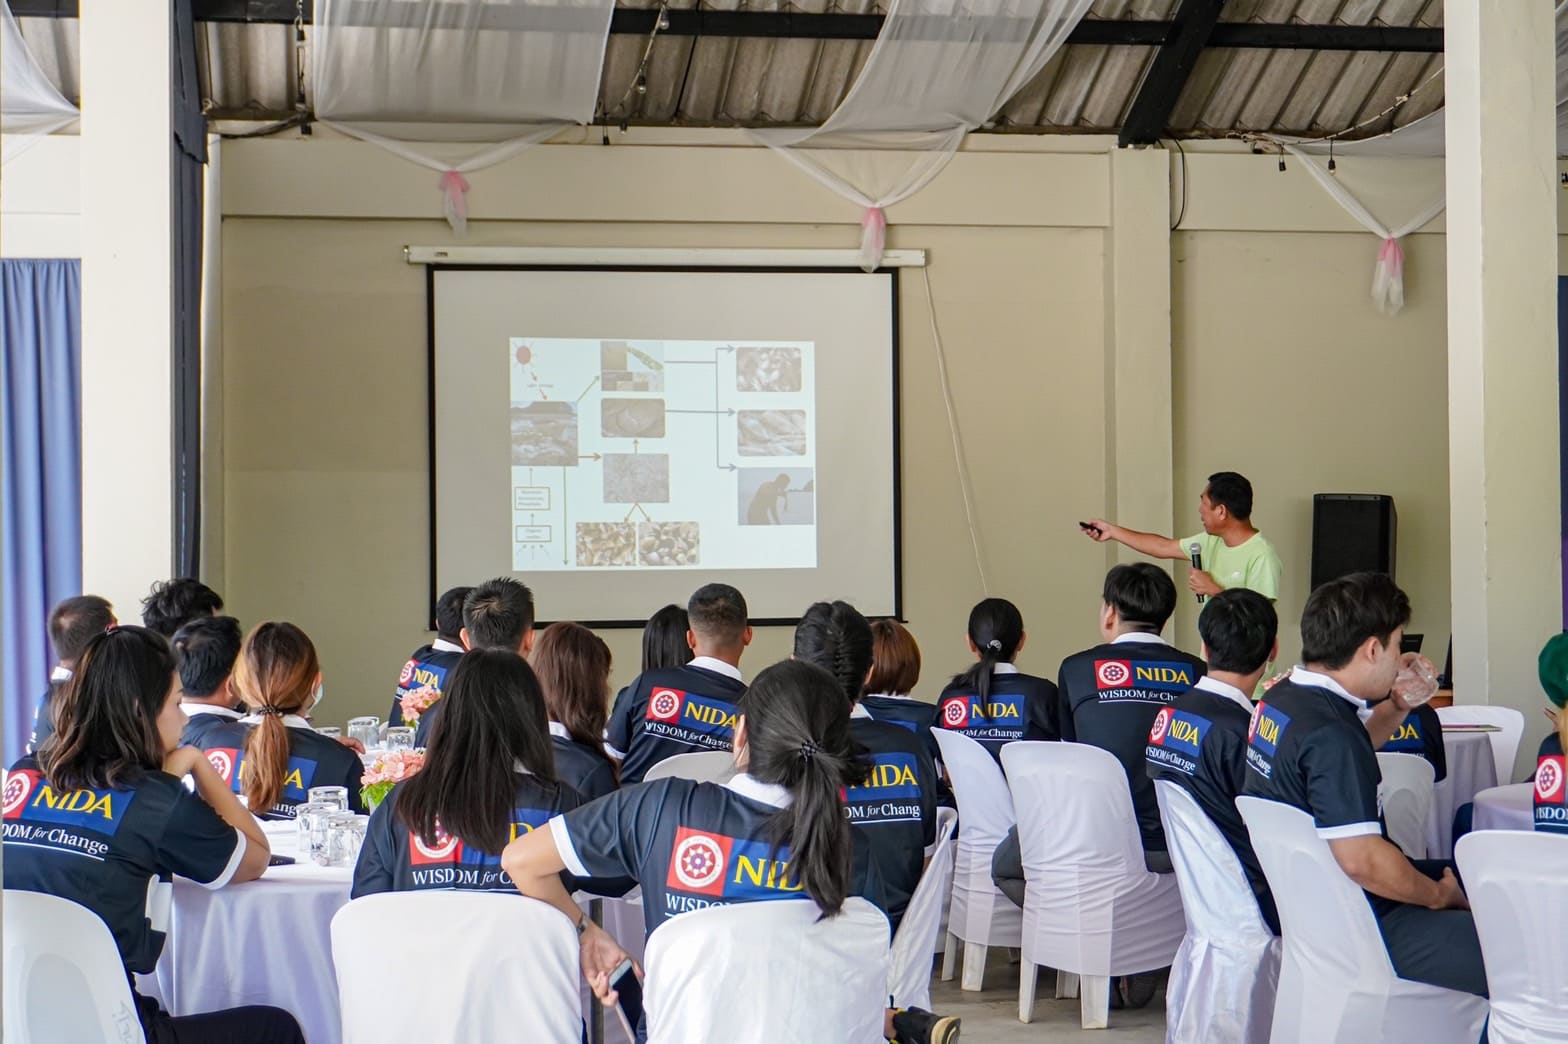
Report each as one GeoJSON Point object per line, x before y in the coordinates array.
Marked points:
{"type": "Point", "coordinates": [938, 69]}
{"type": "Point", "coordinates": [30, 107]}
{"type": "Point", "coordinates": [504, 74]}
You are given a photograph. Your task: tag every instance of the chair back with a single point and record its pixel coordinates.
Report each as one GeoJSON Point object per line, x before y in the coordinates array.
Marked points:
{"type": "Point", "coordinates": [1505, 742]}
{"type": "Point", "coordinates": [1517, 883]}
{"type": "Point", "coordinates": [1215, 894]}
{"type": "Point", "coordinates": [984, 803]}
{"type": "Point", "coordinates": [505, 961]}
{"type": "Point", "coordinates": [1406, 793]}
{"type": "Point", "coordinates": [756, 973]}
{"type": "Point", "coordinates": [706, 766]}
{"type": "Point", "coordinates": [909, 979]}
{"type": "Point", "coordinates": [64, 980]}
{"type": "Point", "coordinates": [1084, 817]}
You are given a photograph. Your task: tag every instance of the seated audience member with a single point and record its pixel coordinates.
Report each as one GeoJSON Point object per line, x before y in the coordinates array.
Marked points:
{"type": "Point", "coordinates": [272, 755]}
{"type": "Point", "coordinates": [682, 710]}
{"type": "Point", "coordinates": [664, 641]}
{"type": "Point", "coordinates": [488, 778]}
{"type": "Point", "coordinates": [1421, 734]}
{"type": "Point", "coordinates": [429, 664]}
{"type": "Point", "coordinates": [72, 624]}
{"type": "Point", "coordinates": [573, 665]}
{"type": "Point", "coordinates": [498, 614]}
{"type": "Point", "coordinates": [1551, 793]}
{"type": "Point", "coordinates": [1199, 742]}
{"type": "Point", "coordinates": [793, 747]}
{"type": "Point", "coordinates": [993, 702]}
{"type": "Point", "coordinates": [205, 650]}
{"type": "Point", "coordinates": [1309, 748]}
{"type": "Point", "coordinates": [1110, 694]}
{"type": "Point", "coordinates": [115, 756]}
{"type": "Point", "coordinates": [895, 671]}
{"type": "Point", "coordinates": [1552, 669]}
{"type": "Point", "coordinates": [174, 603]}
{"type": "Point", "coordinates": [893, 809]}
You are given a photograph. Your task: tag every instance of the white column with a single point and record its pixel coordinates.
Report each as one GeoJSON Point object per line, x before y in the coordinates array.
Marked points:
{"type": "Point", "coordinates": [1502, 351]}
{"type": "Point", "coordinates": [127, 303]}
{"type": "Point", "coordinates": [1139, 457]}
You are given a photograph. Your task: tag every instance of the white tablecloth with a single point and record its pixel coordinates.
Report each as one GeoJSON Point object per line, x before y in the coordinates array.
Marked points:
{"type": "Point", "coordinates": [262, 942]}
{"type": "Point", "coordinates": [1471, 769]}
{"type": "Point", "coordinates": [1506, 808]}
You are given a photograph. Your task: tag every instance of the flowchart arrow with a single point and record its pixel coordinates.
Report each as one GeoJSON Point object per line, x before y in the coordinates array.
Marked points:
{"type": "Point", "coordinates": [636, 509]}
{"type": "Point", "coordinates": [566, 546]}
{"type": "Point", "coordinates": [592, 456]}
{"type": "Point", "coordinates": [588, 389]}
{"type": "Point", "coordinates": [721, 413]}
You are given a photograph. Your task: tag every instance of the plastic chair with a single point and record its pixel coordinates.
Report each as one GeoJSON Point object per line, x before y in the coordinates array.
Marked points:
{"type": "Point", "coordinates": [64, 980]}
{"type": "Point", "coordinates": [980, 915]}
{"type": "Point", "coordinates": [1091, 909]}
{"type": "Point", "coordinates": [1225, 974]}
{"type": "Point", "coordinates": [909, 980]}
{"type": "Point", "coordinates": [502, 961]}
{"type": "Point", "coordinates": [1505, 743]}
{"type": "Point", "coordinates": [1406, 793]}
{"type": "Point", "coordinates": [1515, 882]}
{"type": "Point", "coordinates": [756, 973]}
{"type": "Point", "coordinates": [1336, 982]}
{"type": "Point", "coordinates": [705, 766]}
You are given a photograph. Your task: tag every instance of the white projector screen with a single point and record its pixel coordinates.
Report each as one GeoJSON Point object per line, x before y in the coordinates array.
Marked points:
{"type": "Point", "coordinates": [618, 437]}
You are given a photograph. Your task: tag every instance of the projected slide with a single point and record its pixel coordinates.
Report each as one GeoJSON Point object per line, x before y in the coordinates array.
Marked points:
{"type": "Point", "coordinates": [641, 455]}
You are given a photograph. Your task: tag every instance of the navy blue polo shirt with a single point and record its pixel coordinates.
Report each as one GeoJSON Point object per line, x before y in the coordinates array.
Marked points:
{"type": "Point", "coordinates": [587, 770]}
{"type": "Point", "coordinates": [314, 761]}
{"type": "Point", "coordinates": [894, 811]}
{"type": "Point", "coordinates": [1421, 733]}
{"type": "Point", "coordinates": [1109, 698]}
{"type": "Point", "coordinates": [674, 710]}
{"type": "Point", "coordinates": [1019, 706]}
{"type": "Point", "coordinates": [691, 846]}
{"type": "Point", "coordinates": [1551, 794]}
{"type": "Point", "coordinates": [428, 665]}
{"type": "Point", "coordinates": [201, 718]}
{"type": "Point", "coordinates": [1199, 743]}
{"type": "Point", "coordinates": [112, 851]}
{"type": "Point", "coordinates": [43, 720]}
{"type": "Point", "coordinates": [394, 859]}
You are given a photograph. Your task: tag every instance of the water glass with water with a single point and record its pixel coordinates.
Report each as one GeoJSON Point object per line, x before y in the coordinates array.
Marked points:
{"type": "Point", "coordinates": [329, 731]}
{"type": "Point", "coordinates": [311, 821]}
{"type": "Point", "coordinates": [337, 797]}
{"type": "Point", "coordinates": [400, 737]}
{"type": "Point", "coordinates": [366, 730]}
{"type": "Point", "coordinates": [345, 835]}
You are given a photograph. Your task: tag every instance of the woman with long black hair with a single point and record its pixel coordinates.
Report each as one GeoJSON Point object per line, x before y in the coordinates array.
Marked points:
{"type": "Point", "coordinates": [992, 701]}
{"type": "Point", "coordinates": [488, 778]}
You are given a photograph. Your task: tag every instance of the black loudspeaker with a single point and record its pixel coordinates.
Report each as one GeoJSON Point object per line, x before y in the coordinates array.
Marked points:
{"type": "Point", "coordinates": [1352, 533]}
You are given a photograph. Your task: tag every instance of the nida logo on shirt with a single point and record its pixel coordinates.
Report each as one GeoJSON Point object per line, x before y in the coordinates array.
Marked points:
{"type": "Point", "coordinates": [1178, 730]}
{"type": "Point", "coordinates": [1263, 736]}
{"type": "Point", "coordinates": [712, 869]}
{"type": "Point", "coordinates": [231, 765]}
{"type": "Point", "coordinates": [1407, 737]}
{"type": "Point", "coordinates": [691, 712]}
{"type": "Point", "coordinates": [29, 796]}
{"type": "Point", "coordinates": [890, 794]}
{"type": "Point", "coordinates": [1550, 791]}
{"type": "Point", "coordinates": [417, 673]}
{"type": "Point", "coordinates": [1112, 676]}
{"type": "Point", "coordinates": [449, 863]}
{"type": "Point", "coordinates": [998, 715]}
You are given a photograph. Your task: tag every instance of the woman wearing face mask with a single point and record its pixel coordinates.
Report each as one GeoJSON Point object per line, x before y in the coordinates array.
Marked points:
{"type": "Point", "coordinates": [272, 755]}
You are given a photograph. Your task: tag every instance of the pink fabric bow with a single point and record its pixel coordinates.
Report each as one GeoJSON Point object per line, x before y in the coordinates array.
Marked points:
{"type": "Point", "coordinates": [1388, 279]}
{"type": "Point", "coordinates": [873, 238]}
{"type": "Point", "coordinates": [454, 188]}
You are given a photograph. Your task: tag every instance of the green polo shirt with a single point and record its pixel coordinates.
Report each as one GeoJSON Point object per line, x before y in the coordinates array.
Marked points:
{"type": "Point", "coordinates": [1253, 564]}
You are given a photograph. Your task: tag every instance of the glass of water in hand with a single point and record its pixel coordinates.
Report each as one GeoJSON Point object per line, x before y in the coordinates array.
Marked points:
{"type": "Point", "coordinates": [366, 730]}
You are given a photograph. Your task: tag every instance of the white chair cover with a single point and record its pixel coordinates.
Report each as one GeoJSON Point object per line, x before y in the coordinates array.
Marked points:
{"type": "Point", "coordinates": [1223, 980]}
{"type": "Point", "coordinates": [1336, 983]}
{"type": "Point", "coordinates": [757, 973]}
{"type": "Point", "coordinates": [909, 980]}
{"type": "Point", "coordinates": [1406, 795]}
{"type": "Point", "coordinates": [980, 915]}
{"type": "Point", "coordinates": [1505, 742]}
{"type": "Point", "coordinates": [63, 977]}
{"type": "Point", "coordinates": [1515, 885]}
{"type": "Point", "coordinates": [1090, 906]}
{"type": "Point", "coordinates": [708, 766]}
{"type": "Point", "coordinates": [501, 962]}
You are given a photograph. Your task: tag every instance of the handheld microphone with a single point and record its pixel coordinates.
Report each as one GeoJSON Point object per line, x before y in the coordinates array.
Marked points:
{"type": "Point", "coordinates": [1195, 550]}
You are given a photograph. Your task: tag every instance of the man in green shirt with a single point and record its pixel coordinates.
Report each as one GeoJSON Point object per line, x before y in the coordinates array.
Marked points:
{"type": "Point", "coordinates": [1234, 553]}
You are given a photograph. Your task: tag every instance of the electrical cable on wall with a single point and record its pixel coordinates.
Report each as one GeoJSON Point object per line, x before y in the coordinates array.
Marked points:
{"type": "Point", "coordinates": [952, 425]}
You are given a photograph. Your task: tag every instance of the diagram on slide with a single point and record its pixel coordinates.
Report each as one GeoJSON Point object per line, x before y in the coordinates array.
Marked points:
{"type": "Point", "coordinates": [632, 454]}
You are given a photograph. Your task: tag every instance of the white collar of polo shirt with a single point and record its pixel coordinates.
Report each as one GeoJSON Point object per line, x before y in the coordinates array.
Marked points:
{"type": "Point", "coordinates": [60, 673]}
{"type": "Point", "coordinates": [290, 721]}
{"type": "Point", "coordinates": [442, 645]}
{"type": "Point", "coordinates": [890, 696]}
{"type": "Point", "coordinates": [1225, 689]}
{"type": "Point", "coordinates": [1003, 667]}
{"type": "Point", "coordinates": [857, 711]}
{"type": "Point", "coordinates": [767, 793]}
{"type": "Point", "coordinates": [1138, 637]}
{"type": "Point", "coordinates": [1301, 676]}
{"type": "Point", "coordinates": [708, 663]}
{"type": "Point", "coordinates": [559, 731]}
{"type": "Point", "coordinates": [208, 708]}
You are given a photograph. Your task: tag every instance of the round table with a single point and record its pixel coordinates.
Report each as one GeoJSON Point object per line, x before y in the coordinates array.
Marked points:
{"type": "Point", "coordinates": [1506, 808]}
{"type": "Point", "coordinates": [1471, 769]}
{"type": "Point", "coordinates": [267, 941]}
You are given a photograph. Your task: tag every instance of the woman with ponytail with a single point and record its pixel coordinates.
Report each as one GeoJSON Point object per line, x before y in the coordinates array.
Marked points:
{"type": "Point", "coordinates": [573, 665]}
{"type": "Point", "coordinates": [273, 756]}
{"type": "Point", "coordinates": [992, 701]}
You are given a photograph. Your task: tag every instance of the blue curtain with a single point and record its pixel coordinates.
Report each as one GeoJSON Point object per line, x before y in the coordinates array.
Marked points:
{"type": "Point", "coordinates": [41, 465]}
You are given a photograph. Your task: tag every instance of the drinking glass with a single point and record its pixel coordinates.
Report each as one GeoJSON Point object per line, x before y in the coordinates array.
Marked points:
{"type": "Point", "coordinates": [337, 797]}
{"type": "Point", "coordinates": [366, 730]}
{"type": "Point", "coordinates": [311, 821]}
{"type": "Point", "coordinates": [400, 737]}
{"type": "Point", "coordinates": [345, 835]}
{"type": "Point", "coordinates": [330, 731]}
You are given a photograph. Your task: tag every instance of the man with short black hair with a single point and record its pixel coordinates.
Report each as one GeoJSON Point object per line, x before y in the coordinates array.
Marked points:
{"type": "Point", "coordinates": [682, 710]}
{"type": "Point", "coordinates": [1233, 552]}
{"type": "Point", "coordinates": [72, 624]}
{"type": "Point", "coordinates": [205, 650]}
{"type": "Point", "coordinates": [429, 664]}
{"type": "Point", "coordinates": [1199, 743]}
{"type": "Point", "coordinates": [1313, 746]}
{"type": "Point", "coordinates": [173, 603]}
{"type": "Point", "coordinates": [498, 614]}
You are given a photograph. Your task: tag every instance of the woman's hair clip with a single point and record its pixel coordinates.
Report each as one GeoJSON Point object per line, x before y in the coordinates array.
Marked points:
{"type": "Point", "coordinates": [808, 750]}
{"type": "Point", "coordinates": [994, 645]}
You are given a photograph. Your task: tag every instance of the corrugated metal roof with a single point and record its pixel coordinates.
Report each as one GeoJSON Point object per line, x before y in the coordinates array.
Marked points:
{"type": "Point", "coordinates": [248, 71]}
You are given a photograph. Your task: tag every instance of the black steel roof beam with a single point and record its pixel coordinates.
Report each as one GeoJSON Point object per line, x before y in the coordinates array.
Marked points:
{"type": "Point", "coordinates": [1173, 63]}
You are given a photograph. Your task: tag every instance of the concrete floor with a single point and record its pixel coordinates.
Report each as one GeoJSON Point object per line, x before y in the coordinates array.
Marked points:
{"type": "Point", "coordinates": [991, 1016]}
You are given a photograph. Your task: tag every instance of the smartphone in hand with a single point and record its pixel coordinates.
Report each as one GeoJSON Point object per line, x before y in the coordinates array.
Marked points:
{"type": "Point", "coordinates": [627, 984]}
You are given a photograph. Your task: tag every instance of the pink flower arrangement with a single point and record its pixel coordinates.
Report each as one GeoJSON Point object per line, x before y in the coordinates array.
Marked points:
{"type": "Point", "coordinates": [385, 772]}
{"type": "Point", "coordinates": [417, 701]}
